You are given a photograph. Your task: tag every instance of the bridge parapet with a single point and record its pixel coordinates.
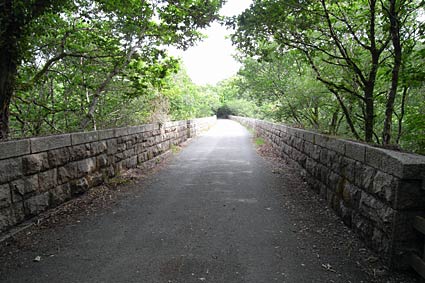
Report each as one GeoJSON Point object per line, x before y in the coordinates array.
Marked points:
{"type": "Point", "coordinates": [43, 172]}
{"type": "Point", "coordinates": [377, 192]}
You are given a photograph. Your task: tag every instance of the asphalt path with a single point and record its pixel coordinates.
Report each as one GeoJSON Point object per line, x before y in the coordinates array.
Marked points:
{"type": "Point", "coordinates": [213, 214]}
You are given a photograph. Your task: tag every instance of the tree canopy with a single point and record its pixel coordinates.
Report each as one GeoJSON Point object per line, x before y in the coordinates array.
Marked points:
{"type": "Point", "coordinates": [361, 51]}
{"type": "Point", "coordinates": [67, 57]}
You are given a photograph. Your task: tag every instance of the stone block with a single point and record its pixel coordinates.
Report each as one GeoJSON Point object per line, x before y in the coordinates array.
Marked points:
{"type": "Point", "coordinates": [120, 132]}
{"type": "Point", "coordinates": [363, 226]}
{"type": "Point", "coordinates": [106, 134]}
{"type": "Point", "coordinates": [348, 169]}
{"type": "Point", "coordinates": [373, 157]}
{"type": "Point", "coordinates": [351, 195]}
{"type": "Point", "coordinates": [410, 195]}
{"type": "Point", "coordinates": [377, 211]}
{"type": "Point", "coordinates": [324, 157]}
{"type": "Point", "coordinates": [356, 151]}
{"type": "Point", "coordinates": [364, 176]}
{"type": "Point", "coordinates": [403, 165]}
{"type": "Point", "coordinates": [58, 157]}
{"type": "Point", "coordinates": [14, 148]}
{"type": "Point", "coordinates": [36, 204]}
{"type": "Point", "coordinates": [60, 194]}
{"type": "Point", "coordinates": [51, 142]}
{"type": "Point", "coordinates": [23, 187]}
{"type": "Point", "coordinates": [102, 161]}
{"type": "Point", "coordinates": [79, 186]}
{"type": "Point", "coordinates": [336, 145]}
{"type": "Point", "coordinates": [84, 137]}
{"type": "Point", "coordinates": [385, 187]}
{"type": "Point", "coordinates": [95, 179]}
{"type": "Point", "coordinates": [135, 130]}
{"type": "Point", "coordinates": [97, 148]}
{"type": "Point", "coordinates": [111, 146]}
{"type": "Point", "coordinates": [380, 241]}
{"type": "Point", "coordinates": [308, 148]}
{"type": "Point", "coordinates": [316, 152]}
{"type": "Point", "coordinates": [108, 172]}
{"type": "Point", "coordinates": [76, 170]}
{"type": "Point", "coordinates": [10, 169]}
{"type": "Point", "coordinates": [48, 180]}
{"type": "Point", "coordinates": [10, 216]}
{"type": "Point", "coordinates": [5, 196]}
{"type": "Point", "coordinates": [79, 152]}
{"type": "Point", "coordinates": [35, 163]}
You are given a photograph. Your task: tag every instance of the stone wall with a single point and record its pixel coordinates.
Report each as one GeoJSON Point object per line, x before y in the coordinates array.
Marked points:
{"type": "Point", "coordinates": [43, 172]}
{"type": "Point", "coordinates": [376, 192]}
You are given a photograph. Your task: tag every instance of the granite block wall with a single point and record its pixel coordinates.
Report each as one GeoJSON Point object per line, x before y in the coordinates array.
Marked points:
{"type": "Point", "coordinates": [39, 173]}
{"type": "Point", "coordinates": [376, 192]}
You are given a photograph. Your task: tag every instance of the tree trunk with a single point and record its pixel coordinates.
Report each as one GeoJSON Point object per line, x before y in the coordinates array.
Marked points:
{"type": "Point", "coordinates": [395, 37]}
{"type": "Point", "coordinates": [369, 113]}
{"type": "Point", "coordinates": [8, 72]}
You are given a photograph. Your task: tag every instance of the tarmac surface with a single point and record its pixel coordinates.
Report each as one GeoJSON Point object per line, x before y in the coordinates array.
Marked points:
{"type": "Point", "coordinates": [215, 213]}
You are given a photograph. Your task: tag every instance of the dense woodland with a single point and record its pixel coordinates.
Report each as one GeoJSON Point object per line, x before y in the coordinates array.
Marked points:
{"type": "Point", "coordinates": [349, 68]}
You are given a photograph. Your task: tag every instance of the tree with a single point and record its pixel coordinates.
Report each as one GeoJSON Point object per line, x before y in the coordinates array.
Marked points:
{"type": "Point", "coordinates": [357, 40]}
{"type": "Point", "coordinates": [116, 33]}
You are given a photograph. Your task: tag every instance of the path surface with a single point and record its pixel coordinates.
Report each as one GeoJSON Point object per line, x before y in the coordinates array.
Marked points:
{"type": "Point", "coordinates": [214, 214]}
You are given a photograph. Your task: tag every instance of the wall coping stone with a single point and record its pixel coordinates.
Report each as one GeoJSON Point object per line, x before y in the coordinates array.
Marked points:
{"type": "Point", "coordinates": [400, 164]}
{"type": "Point", "coordinates": [14, 148]}
{"type": "Point", "coordinates": [84, 137]}
{"type": "Point", "coordinates": [40, 144]}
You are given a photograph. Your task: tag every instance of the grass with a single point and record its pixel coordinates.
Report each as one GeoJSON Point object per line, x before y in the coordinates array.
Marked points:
{"type": "Point", "coordinates": [259, 141]}
{"type": "Point", "coordinates": [174, 149]}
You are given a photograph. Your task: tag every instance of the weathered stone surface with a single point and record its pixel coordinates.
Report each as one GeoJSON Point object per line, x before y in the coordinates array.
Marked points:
{"type": "Point", "coordinates": [36, 204]}
{"type": "Point", "coordinates": [98, 148]}
{"type": "Point", "coordinates": [8, 218]}
{"type": "Point", "coordinates": [10, 169]}
{"type": "Point", "coordinates": [106, 134]}
{"type": "Point", "coordinates": [24, 186]}
{"type": "Point", "coordinates": [76, 170]}
{"type": "Point", "coordinates": [14, 148]}
{"type": "Point", "coordinates": [410, 195]}
{"type": "Point", "coordinates": [112, 146]}
{"type": "Point", "coordinates": [58, 157]}
{"type": "Point", "coordinates": [95, 179]}
{"type": "Point", "coordinates": [79, 152]}
{"type": "Point", "coordinates": [374, 157]}
{"type": "Point", "coordinates": [351, 195]}
{"type": "Point", "coordinates": [364, 176]}
{"type": "Point", "coordinates": [375, 210]}
{"type": "Point", "coordinates": [120, 132]}
{"type": "Point", "coordinates": [348, 169]}
{"type": "Point", "coordinates": [102, 161]}
{"type": "Point", "coordinates": [356, 151]}
{"type": "Point", "coordinates": [79, 186]}
{"type": "Point", "coordinates": [381, 241]}
{"type": "Point", "coordinates": [48, 180]}
{"type": "Point", "coordinates": [50, 142]}
{"type": "Point", "coordinates": [404, 165]}
{"type": "Point", "coordinates": [84, 137]}
{"type": "Point", "coordinates": [5, 197]}
{"type": "Point", "coordinates": [385, 186]}
{"type": "Point", "coordinates": [363, 226]}
{"type": "Point", "coordinates": [35, 163]}
{"type": "Point", "coordinates": [60, 194]}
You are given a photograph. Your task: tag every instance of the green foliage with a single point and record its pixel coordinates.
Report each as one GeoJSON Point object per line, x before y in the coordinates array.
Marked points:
{"type": "Point", "coordinates": [341, 67]}
{"type": "Point", "coordinates": [89, 64]}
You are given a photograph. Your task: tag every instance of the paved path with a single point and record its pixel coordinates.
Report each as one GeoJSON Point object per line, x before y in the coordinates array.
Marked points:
{"type": "Point", "coordinates": [214, 214]}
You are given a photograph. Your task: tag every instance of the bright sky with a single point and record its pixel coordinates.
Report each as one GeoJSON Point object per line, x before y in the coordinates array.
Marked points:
{"type": "Point", "coordinates": [211, 60]}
